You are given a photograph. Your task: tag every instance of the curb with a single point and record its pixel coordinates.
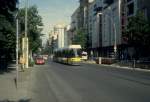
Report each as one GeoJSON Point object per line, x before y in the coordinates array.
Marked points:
{"type": "Point", "coordinates": [121, 67]}
{"type": "Point", "coordinates": [125, 67]}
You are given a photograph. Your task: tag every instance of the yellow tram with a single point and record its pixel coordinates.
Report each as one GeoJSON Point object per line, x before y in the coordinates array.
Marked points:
{"type": "Point", "coordinates": [70, 55]}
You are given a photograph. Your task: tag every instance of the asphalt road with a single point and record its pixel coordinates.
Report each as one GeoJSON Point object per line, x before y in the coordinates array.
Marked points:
{"type": "Point", "coordinates": [54, 82]}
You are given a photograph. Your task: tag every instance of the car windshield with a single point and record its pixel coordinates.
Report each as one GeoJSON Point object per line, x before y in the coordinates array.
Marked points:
{"type": "Point", "coordinates": [74, 50]}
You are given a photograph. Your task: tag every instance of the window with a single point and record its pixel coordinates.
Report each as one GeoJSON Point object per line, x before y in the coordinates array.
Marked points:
{"type": "Point", "coordinates": [130, 9]}
{"type": "Point", "coordinates": [129, 0]}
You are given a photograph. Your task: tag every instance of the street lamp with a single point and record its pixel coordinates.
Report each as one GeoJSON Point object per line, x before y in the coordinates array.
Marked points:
{"type": "Point", "coordinates": [17, 33]}
{"type": "Point", "coordinates": [99, 31]}
{"type": "Point", "coordinates": [17, 44]}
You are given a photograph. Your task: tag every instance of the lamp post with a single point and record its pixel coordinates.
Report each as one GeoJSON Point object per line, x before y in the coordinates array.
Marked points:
{"type": "Point", "coordinates": [99, 31]}
{"type": "Point", "coordinates": [17, 48]}
{"type": "Point", "coordinates": [26, 18]}
{"type": "Point", "coordinates": [17, 44]}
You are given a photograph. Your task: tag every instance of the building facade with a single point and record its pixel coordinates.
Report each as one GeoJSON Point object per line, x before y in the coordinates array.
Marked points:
{"type": "Point", "coordinates": [105, 22]}
{"type": "Point", "coordinates": [67, 40]}
{"type": "Point", "coordinates": [133, 6]}
{"type": "Point", "coordinates": [111, 36]}
{"type": "Point", "coordinates": [74, 26]}
{"type": "Point", "coordinates": [95, 26]}
{"type": "Point", "coordinates": [59, 30]}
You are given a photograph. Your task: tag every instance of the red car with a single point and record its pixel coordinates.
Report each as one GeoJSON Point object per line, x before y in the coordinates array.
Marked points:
{"type": "Point", "coordinates": [39, 60]}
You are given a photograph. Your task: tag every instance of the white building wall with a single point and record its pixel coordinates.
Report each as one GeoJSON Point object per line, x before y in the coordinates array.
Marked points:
{"type": "Point", "coordinates": [111, 24]}
{"type": "Point", "coordinates": [61, 37]}
{"type": "Point", "coordinates": [66, 36]}
{"type": "Point", "coordinates": [60, 31]}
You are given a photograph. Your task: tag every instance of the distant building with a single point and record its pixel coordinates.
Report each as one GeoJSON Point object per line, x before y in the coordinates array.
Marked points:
{"type": "Point", "coordinates": [74, 27]}
{"type": "Point", "coordinates": [74, 19]}
{"type": "Point", "coordinates": [50, 38]}
{"type": "Point", "coordinates": [59, 30]}
{"type": "Point", "coordinates": [67, 40]}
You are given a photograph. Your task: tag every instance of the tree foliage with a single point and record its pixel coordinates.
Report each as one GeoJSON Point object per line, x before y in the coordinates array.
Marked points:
{"type": "Point", "coordinates": [138, 30]}
{"type": "Point", "coordinates": [47, 49]}
{"type": "Point", "coordinates": [34, 24]}
{"type": "Point", "coordinates": [80, 38]}
{"type": "Point", "coordinates": [138, 35]}
{"type": "Point", "coordinates": [8, 9]}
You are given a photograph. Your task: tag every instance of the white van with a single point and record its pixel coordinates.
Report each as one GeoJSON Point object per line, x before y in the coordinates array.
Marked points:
{"type": "Point", "coordinates": [84, 56]}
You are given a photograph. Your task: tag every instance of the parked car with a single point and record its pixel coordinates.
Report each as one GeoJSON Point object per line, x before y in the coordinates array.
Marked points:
{"type": "Point", "coordinates": [39, 60]}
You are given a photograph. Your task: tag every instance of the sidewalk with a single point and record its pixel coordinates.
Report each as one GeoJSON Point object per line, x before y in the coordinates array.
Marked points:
{"type": "Point", "coordinates": [121, 65]}
{"type": "Point", "coordinates": [9, 91]}
{"type": "Point", "coordinates": [130, 65]}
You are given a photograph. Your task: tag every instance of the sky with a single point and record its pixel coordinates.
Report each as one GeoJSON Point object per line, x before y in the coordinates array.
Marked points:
{"type": "Point", "coordinates": [53, 12]}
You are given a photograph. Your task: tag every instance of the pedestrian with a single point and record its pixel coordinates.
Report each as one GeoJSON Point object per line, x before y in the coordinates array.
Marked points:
{"type": "Point", "coordinates": [22, 62]}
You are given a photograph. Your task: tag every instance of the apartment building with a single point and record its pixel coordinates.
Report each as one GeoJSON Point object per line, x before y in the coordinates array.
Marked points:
{"type": "Point", "coordinates": [95, 26]}
{"type": "Point", "coordinates": [111, 25]}
{"type": "Point", "coordinates": [74, 26]}
{"type": "Point", "coordinates": [133, 6]}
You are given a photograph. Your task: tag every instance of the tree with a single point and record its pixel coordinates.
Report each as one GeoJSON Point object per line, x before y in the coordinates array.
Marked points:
{"type": "Point", "coordinates": [47, 48]}
{"type": "Point", "coordinates": [8, 10]}
{"type": "Point", "coordinates": [137, 32]}
{"type": "Point", "coordinates": [80, 38]}
{"type": "Point", "coordinates": [34, 24]}
{"type": "Point", "coordinates": [7, 27]}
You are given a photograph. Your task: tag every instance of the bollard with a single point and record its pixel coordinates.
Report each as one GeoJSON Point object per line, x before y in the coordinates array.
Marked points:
{"type": "Point", "coordinates": [134, 64]}
{"type": "Point", "coordinates": [99, 60]}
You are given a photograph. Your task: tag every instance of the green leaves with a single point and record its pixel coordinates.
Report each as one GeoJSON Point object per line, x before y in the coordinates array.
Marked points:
{"type": "Point", "coordinates": [138, 30]}
{"type": "Point", "coordinates": [7, 23]}
{"type": "Point", "coordinates": [80, 38]}
{"type": "Point", "coordinates": [34, 30]}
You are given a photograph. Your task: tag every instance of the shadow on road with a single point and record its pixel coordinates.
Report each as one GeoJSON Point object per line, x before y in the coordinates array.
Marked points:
{"type": "Point", "coordinates": [22, 100]}
{"type": "Point", "coordinates": [8, 69]}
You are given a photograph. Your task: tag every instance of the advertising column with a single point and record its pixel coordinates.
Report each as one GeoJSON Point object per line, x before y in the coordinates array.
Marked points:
{"type": "Point", "coordinates": [25, 50]}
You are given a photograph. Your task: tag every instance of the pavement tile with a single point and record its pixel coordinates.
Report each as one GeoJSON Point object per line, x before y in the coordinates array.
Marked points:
{"type": "Point", "coordinates": [9, 92]}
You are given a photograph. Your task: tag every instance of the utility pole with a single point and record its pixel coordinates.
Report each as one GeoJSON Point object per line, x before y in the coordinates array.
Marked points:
{"type": "Point", "coordinates": [26, 18]}
{"type": "Point", "coordinates": [17, 48]}
{"type": "Point", "coordinates": [25, 50]}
